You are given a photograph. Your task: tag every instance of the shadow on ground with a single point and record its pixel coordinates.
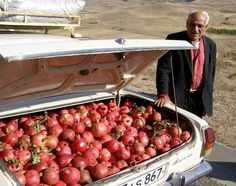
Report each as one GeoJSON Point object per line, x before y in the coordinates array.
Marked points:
{"type": "Point", "coordinates": [223, 170]}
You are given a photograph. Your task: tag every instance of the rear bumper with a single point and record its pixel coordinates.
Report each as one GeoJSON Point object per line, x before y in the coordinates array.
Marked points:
{"type": "Point", "coordinates": [185, 178]}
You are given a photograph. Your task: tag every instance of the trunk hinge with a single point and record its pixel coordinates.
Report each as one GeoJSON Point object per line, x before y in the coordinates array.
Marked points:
{"type": "Point", "coordinates": [118, 98]}
{"type": "Point", "coordinates": [127, 78]}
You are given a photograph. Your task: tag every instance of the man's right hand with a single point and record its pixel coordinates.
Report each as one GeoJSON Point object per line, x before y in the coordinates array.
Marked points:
{"type": "Point", "coordinates": [162, 100]}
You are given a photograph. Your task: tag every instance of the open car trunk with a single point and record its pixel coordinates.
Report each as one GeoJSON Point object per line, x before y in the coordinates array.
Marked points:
{"type": "Point", "coordinates": [43, 76]}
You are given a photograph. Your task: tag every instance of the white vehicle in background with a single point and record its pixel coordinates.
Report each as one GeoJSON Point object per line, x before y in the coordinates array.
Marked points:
{"type": "Point", "coordinates": [45, 72]}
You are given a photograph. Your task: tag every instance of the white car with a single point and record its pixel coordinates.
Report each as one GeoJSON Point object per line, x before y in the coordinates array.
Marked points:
{"type": "Point", "coordinates": [45, 72]}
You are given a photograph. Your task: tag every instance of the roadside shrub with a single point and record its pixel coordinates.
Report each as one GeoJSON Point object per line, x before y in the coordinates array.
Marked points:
{"type": "Point", "coordinates": [222, 31]}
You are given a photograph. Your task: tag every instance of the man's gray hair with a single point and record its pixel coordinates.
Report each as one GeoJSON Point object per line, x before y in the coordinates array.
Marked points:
{"type": "Point", "coordinates": [204, 12]}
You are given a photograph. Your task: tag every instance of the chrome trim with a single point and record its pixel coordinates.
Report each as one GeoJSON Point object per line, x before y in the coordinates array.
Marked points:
{"type": "Point", "coordinates": [182, 179]}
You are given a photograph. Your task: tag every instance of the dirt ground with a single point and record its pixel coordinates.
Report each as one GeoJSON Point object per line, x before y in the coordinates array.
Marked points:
{"type": "Point", "coordinates": [155, 19]}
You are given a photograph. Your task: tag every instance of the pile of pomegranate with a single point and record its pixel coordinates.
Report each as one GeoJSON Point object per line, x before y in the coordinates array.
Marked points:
{"type": "Point", "coordinates": [80, 144]}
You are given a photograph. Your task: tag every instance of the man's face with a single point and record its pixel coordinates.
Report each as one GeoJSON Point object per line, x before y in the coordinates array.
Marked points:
{"type": "Point", "coordinates": [196, 25]}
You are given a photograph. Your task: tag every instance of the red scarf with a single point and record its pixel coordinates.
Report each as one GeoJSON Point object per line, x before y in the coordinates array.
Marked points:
{"type": "Point", "coordinates": [198, 57]}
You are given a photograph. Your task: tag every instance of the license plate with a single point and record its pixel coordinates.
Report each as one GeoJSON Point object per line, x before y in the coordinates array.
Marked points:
{"type": "Point", "coordinates": [147, 178]}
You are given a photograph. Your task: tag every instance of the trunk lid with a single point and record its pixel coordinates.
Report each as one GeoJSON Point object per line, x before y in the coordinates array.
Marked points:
{"type": "Point", "coordinates": [36, 68]}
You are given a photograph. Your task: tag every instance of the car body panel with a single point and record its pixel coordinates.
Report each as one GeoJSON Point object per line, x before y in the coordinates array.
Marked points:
{"type": "Point", "coordinates": [45, 72]}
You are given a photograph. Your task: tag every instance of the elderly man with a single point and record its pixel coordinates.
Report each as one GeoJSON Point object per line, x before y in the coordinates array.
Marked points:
{"type": "Point", "coordinates": [193, 70]}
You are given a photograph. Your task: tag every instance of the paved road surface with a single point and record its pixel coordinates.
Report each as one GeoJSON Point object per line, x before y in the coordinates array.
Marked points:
{"type": "Point", "coordinates": [223, 161]}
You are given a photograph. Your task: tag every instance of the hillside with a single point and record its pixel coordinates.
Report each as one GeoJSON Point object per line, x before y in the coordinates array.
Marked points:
{"type": "Point", "coordinates": [155, 19]}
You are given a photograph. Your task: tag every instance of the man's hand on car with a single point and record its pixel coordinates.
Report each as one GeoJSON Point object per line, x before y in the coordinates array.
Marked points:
{"type": "Point", "coordinates": [162, 100]}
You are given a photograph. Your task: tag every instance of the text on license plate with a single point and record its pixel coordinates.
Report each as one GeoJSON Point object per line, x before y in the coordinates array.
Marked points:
{"type": "Point", "coordinates": [147, 178]}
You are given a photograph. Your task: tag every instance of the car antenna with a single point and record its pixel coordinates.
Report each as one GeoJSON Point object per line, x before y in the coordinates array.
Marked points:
{"type": "Point", "coordinates": [173, 84]}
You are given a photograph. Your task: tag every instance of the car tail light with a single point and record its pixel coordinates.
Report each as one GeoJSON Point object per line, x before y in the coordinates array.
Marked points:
{"type": "Point", "coordinates": [209, 140]}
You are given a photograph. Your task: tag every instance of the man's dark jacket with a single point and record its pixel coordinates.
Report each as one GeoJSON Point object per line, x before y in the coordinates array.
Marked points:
{"type": "Point", "coordinates": [182, 68]}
